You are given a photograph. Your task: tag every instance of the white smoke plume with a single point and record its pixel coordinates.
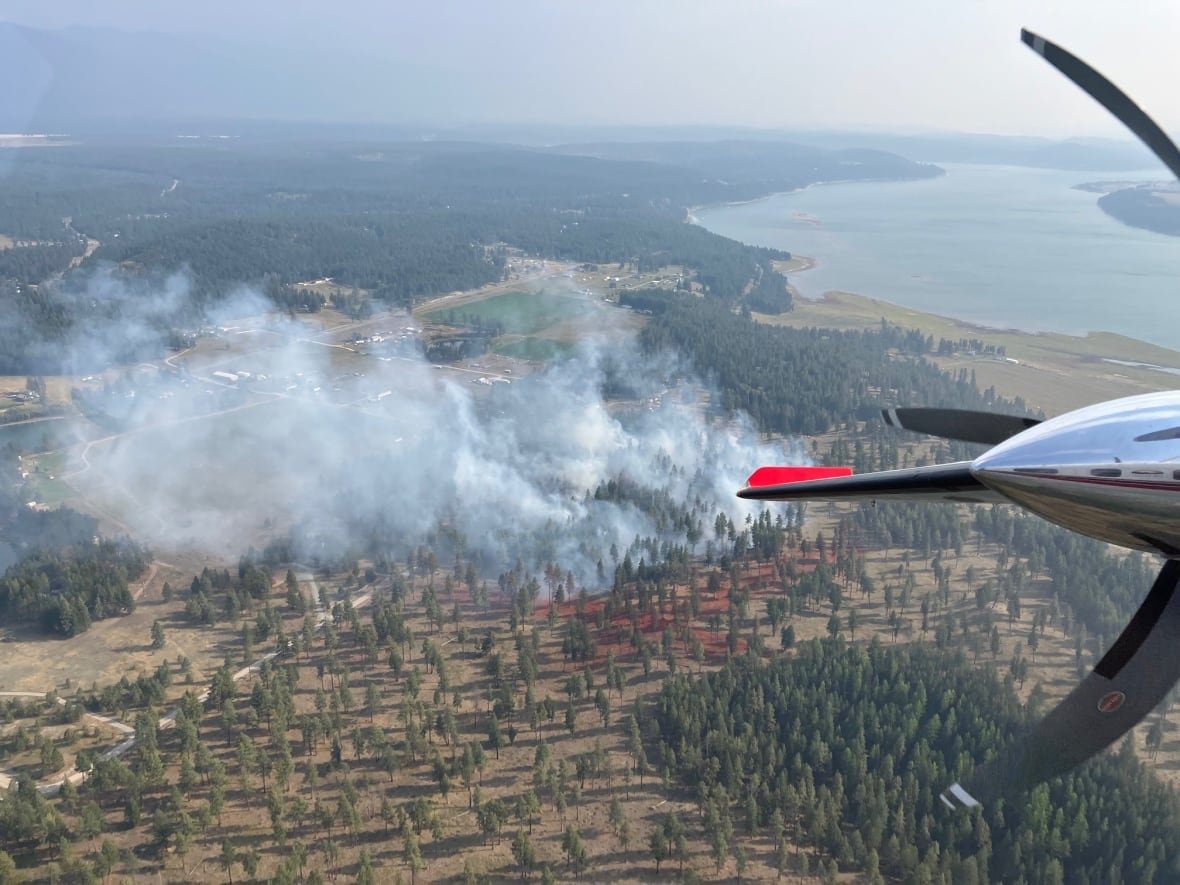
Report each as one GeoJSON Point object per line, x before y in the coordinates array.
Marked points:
{"type": "Point", "coordinates": [402, 452]}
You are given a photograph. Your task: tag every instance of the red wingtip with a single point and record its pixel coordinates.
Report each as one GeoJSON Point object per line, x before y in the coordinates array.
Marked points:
{"type": "Point", "coordinates": [774, 476]}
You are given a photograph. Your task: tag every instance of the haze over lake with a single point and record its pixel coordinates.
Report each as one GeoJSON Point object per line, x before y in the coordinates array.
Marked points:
{"type": "Point", "coordinates": [996, 245]}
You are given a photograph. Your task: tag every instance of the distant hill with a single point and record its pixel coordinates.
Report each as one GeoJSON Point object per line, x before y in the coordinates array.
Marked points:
{"type": "Point", "coordinates": [1093, 154]}
{"type": "Point", "coordinates": [771, 165]}
{"type": "Point", "coordinates": [97, 82]}
{"type": "Point", "coordinates": [1150, 206]}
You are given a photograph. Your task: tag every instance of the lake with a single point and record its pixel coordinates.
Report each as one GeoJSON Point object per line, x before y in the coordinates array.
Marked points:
{"type": "Point", "coordinates": [996, 245]}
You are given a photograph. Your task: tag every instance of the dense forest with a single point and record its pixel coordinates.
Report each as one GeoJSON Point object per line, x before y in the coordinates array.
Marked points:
{"type": "Point", "coordinates": [62, 591]}
{"type": "Point", "coordinates": [400, 221]}
{"type": "Point", "coordinates": [847, 749]}
{"type": "Point", "coordinates": [804, 381]}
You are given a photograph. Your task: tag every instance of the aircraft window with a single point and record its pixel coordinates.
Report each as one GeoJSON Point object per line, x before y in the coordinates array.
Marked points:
{"type": "Point", "coordinates": [1157, 435]}
{"type": "Point", "coordinates": [1108, 471]}
{"type": "Point", "coordinates": [1176, 474]}
{"type": "Point", "coordinates": [1037, 470]}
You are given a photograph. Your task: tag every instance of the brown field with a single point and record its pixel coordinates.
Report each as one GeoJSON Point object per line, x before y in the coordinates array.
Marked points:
{"type": "Point", "coordinates": [335, 848]}
{"type": "Point", "coordinates": [57, 387]}
{"type": "Point", "coordinates": [118, 647]}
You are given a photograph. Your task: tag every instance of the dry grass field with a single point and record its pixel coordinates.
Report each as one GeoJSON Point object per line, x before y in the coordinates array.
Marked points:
{"type": "Point", "coordinates": [118, 647]}
{"type": "Point", "coordinates": [585, 764]}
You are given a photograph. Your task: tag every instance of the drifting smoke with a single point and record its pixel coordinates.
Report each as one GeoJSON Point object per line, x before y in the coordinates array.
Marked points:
{"type": "Point", "coordinates": [356, 452]}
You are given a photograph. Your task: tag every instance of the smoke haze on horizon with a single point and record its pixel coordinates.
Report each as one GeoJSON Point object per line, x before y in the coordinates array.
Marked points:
{"type": "Point", "coordinates": [909, 66]}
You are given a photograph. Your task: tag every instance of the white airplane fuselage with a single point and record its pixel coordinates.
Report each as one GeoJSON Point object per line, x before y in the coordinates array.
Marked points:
{"type": "Point", "coordinates": [1110, 471]}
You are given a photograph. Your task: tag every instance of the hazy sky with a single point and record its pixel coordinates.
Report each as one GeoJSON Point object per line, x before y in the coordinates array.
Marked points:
{"type": "Point", "coordinates": [899, 65]}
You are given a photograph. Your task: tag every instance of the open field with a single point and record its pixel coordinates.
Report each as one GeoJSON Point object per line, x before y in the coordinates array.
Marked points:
{"type": "Point", "coordinates": [1053, 372]}
{"type": "Point", "coordinates": [44, 486]}
{"type": "Point", "coordinates": [115, 648]}
{"type": "Point", "coordinates": [546, 310]}
{"type": "Point", "coordinates": [532, 349]}
{"type": "Point", "coordinates": [542, 322]}
{"type": "Point", "coordinates": [45, 434]}
{"type": "Point", "coordinates": [519, 312]}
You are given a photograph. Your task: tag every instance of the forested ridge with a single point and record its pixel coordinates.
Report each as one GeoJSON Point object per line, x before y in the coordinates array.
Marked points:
{"type": "Point", "coordinates": [849, 748]}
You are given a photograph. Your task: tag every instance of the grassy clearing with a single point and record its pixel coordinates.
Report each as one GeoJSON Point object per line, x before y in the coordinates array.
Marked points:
{"type": "Point", "coordinates": [1052, 372]}
{"type": "Point", "coordinates": [536, 350]}
{"type": "Point", "coordinates": [45, 482]}
{"type": "Point", "coordinates": [116, 647]}
{"type": "Point", "coordinates": [57, 387]}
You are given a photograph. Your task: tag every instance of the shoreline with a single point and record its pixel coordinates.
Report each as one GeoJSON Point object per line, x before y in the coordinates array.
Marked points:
{"type": "Point", "coordinates": [796, 264]}
{"type": "Point", "coordinates": [1052, 371]}
{"type": "Point", "coordinates": [915, 274]}
{"type": "Point", "coordinates": [839, 296]}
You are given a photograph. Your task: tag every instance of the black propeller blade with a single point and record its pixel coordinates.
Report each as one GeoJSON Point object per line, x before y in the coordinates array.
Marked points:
{"type": "Point", "coordinates": [1127, 684]}
{"type": "Point", "coordinates": [1109, 96]}
{"type": "Point", "coordinates": [986, 428]}
{"type": "Point", "coordinates": [1144, 662]}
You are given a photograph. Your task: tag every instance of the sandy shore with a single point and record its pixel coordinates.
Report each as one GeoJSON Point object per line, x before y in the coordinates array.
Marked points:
{"type": "Point", "coordinates": [797, 264]}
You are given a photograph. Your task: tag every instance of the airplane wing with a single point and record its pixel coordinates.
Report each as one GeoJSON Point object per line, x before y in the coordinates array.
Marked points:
{"type": "Point", "coordinates": [1131, 679]}
{"type": "Point", "coordinates": [938, 482]}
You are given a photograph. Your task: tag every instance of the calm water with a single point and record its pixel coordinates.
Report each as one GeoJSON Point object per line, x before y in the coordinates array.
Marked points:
{"type": "Point", "coordinates": [996, 245]}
